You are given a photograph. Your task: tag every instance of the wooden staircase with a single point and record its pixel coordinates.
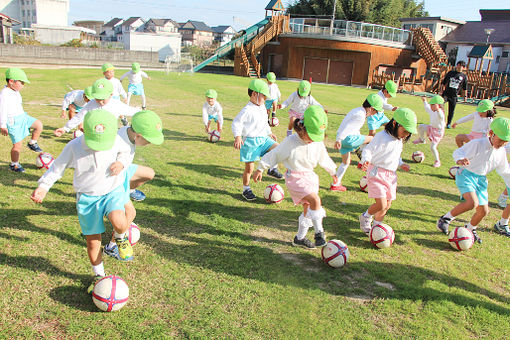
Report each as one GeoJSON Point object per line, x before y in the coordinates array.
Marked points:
{"type": "Point", "coordinates": [429, 49]}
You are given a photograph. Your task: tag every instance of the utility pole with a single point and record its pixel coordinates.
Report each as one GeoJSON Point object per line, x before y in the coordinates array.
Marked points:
{"type": "Point", "coordinates": [333, 18]}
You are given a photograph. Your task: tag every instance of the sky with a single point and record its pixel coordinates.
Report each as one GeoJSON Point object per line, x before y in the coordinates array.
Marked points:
{"type": "Point", "coordinates": [239, 13]}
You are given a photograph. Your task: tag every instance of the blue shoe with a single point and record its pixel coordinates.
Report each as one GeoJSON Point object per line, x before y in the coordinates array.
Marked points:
{"type": "Point", "coordinates": [111, 251]}
{"type": "Point", "coordinates": [137, 195]}
{"type": "Point", "coordinates": [17, 168]}
{"type": "Point", "coordinates": [34, 147]}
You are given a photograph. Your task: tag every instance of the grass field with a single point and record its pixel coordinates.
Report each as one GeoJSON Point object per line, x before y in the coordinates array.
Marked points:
{"type": "Point", "coordinates": [211, 265]}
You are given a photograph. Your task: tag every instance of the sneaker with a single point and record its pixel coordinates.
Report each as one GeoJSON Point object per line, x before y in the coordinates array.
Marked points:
{"type": "Point", "coordinates": [449, 126]}
{"type": "Point", "coordinates": [124, 121]}
{"type": "Point", "coordinates": [125, 249]}
{"type": "Point", "coordinates": [442, 224]}
{"type": "Point", "coordinates": [477, 238]}
{"type": "Point", "coordinates": [16, 168]}
{"type": "Point", "coordinates": [320, 240]}
{"type": "Point", "coordinates": [365, 223]}
{"type": "Point", "coordinates": [96, 278]}
{"type": "Point", "coordinates": [137, 195]}
{"type": "Point", "coordinates": [502, 200]}
{"type": "Point", "coordinates": [34, 147]}
{"type": "Point", "coordinates": [112, 251]}
{"type": "Point", "coordinates": [418, 141]}
{"type": "Point", "coordinates": [144, 107]}
{"type": "Point", "coordinates": [304, 243]}
{"type": "Point", "coordinates": [337, 187]}
{"type": "Point", "coordinates": [274, 173]}
{"type": "Point", "coordinates": [502, 229]}
{"type": "Point", "coordinates": [437, 164]}
{"type": "Point", "coordinates": [249, 195]}
{"type": "Point", "coordinates": [358, 152]}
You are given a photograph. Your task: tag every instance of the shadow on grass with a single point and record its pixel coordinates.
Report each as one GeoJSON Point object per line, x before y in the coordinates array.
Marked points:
{"type": "Point", "coordinates": [212, 170]}
{"type": "Point", "coordinates": [75, 297]}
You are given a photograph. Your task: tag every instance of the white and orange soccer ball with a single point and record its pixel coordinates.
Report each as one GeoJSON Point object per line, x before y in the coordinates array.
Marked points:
{"type": "Point", "coordinates": [110, 293]}
{"type": "Point", "coordinates": [274, 122]}
{"type": "Point", "coordinates": [453, 171]}
{"type": "Point", "coordinates": [274, 193]}
{"type": "Point", "coordinates": [44, 160]}
{"type": "Point", "coordinates": [335, 253]}
{"type": "Point", "coordinates": [214, 136]}
{"type": "Point", "coordinates": [77, 133]}
{"type": "Point", "coordinates": [133, 234]}
{"type": "Point", "coordinates": [363, 183]}
{"type": "Point", "coordinates": [461, 238]}
{"type": "Point", "coordinates": [382, 236]}
{"type": "Point", "coordinates": [418, 156]}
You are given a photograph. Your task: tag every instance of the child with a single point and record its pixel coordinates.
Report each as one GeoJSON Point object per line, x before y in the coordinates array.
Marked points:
{"type": "Point", "coordinates": [74, 101]}
{"type": "Point", "coordinates": [252, 134]}
{"type": "Point", "coordinates": [477, 158]}
{"type": "Point", "coordinates": [118, 90]}
{"type": "Point", "coordinates": [274, 95]}
{"type": "Point", "coordinates": [14, 121]}
{"type": "Point", "coordinates": [135, 83]}
{"type": "Point", "coordinates": [381, 159]}
{"type": "Point", "coordinates": [379, 119]}
{"type": "Point", "coordinates": [299, 101]}
{"type": "Point", "coordinates": [300, 153]}
{"type": "Point", "coordinates": [349, 138]}
{"type": "Point", "coordinates": [502, 225]}
{"type": "Point", "coordinates": [99, 159]}
{"type": "Point", "coordinates": [212, 110]}
{"type": "Point", "coordinates": [435, 130]}
{"type": "Point", "coordinates": [482, 119]}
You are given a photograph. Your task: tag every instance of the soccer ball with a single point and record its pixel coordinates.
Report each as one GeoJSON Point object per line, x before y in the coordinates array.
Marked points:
{"type": "Point", "coordinates": [418, 156]}
{"type": "Point", "coordinates": [214, 136]}
{"type": "Point", "coordinates": [453, 171]}
{"type": "Point", "coordinates": [77, 133]}
{"type": "Point", "coordinates": [335, 253]}
{"type": "Point", "coordinates": [274, 122]}
{"type": "Point", "coordinates": [133, 234]}
{"type": "Point", "coordinates": [461, 238]}
{"type": "Point", "coordinates": [44, 160]}
{"type": "Point", "coordinates": [363, 183]}
{"type": "Point", "coordinates": [382, 236]}
{"type": "Point", "coordinates": [274, 193]}
{"type": "Point", "coordinates": [110, 293]}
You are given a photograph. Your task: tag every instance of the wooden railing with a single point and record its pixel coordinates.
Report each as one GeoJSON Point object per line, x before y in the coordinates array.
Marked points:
{"type": "Point", "coordinates": [428, 47]}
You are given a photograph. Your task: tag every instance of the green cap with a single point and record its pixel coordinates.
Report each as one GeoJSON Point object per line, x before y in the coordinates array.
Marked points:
{"type": "Point", "coordinates": [437, 99]}
{"type": "Point", "coordinates": [501, 127]}
{"type": "Point", "coordinates": [271, 77]}
{"type": "Point", "coordinates": [260, 86]}
{"type": "Point", "coordinates": [88, 92]}
{"type": "Point", "coordinates": [391, 87]}
{"type": "Point", "coordinates": [102, 89]}
{"type": "Point", "coordinates": [135, 67]}
{"type": "Point", "coordinates": [375, 101]}
{"type": "Point", "coordinates": [316, 122]}
{"type": "Point", "coordinates": [16, 73]}
{"type": "Point", "coordinates": [485, 105]}
{"type": "Point", "coordinates": [211, 93]}
{"type": "Point", "coordinates": [148, 124]}
{"type": "Point", "coordinates": [107, 67]}
{"type": "Point", "coordinates": [406, 118]}
{"type": "Point", "coordinates": [100, 129]}
{"type": "Point", "coordinates": [304, 88]}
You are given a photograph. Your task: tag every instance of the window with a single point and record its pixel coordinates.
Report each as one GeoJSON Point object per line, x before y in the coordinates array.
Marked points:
{"type": "Point", "coordinates": [22, 12]}
{"type": "Point", "coordinates": [497, 59]}
{"type": "Point", "coordinates": [33, 13]}
{"type": "Point", "coordinates": [505, 54]}
{"type": "Point", "coordinates": [22, 2]}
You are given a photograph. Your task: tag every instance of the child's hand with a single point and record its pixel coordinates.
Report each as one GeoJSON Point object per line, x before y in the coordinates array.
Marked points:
{"type": "Point", "coordinates": [463, 161]}
{"type": "Point", "coordinates": [405, 167]}
{"type": "Point", "coordinates": [59, 132]}
{"type": "Point", "coordinates": [338, 145]}
{"type": "Point", "coordinates": [207, 129]}
{"type": "Point", "coordinates": [395, 108]}
{"type": "Point", "coordinates": [257, 175]}
{"type": "Point", "coordinates": [220, 130]}
{"type": "Point", "coordinates": [38, 195]}
{"type": "Point", "coordinates": [4, 131]}
{"type": "Point", "coordinates": [423, 99]}
{"type": "Point", "coordinates": [273, 137]}
{"type": "Point", "coordinates": [279, 106]}
{"type": "Point", "coordinates": [364, 166]}
{"type": "Point", "coordinates": [63, 114]}
{"type": "Point", "coordinates": [116, 168]}
{"type": "Point", "coordinates": [238, 142]}
{"type": "Point", "coordinates": [454, 125]}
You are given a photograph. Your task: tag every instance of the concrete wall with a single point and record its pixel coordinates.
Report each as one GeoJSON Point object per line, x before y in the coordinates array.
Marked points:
{"type": "Point", "coordinates": [54, 35]}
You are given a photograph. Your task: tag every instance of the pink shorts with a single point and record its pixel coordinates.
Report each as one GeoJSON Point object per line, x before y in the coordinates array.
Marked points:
{"type": "Point", "coordinates": [435, 134]}
{"type": "Point", "coordinates": [295, 114]}
{"type": "Point", "coordinates": [301, 184]}
{"type": "Point", "coordinates": [382, 183]}
{"type": "Point", "coordinates": [476, 135]}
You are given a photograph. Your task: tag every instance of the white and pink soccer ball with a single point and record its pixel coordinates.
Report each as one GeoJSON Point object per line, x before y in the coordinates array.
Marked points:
{"type": "Point", "coordinates": [110, 293]}
{"type": "Point", "coordinates": [133, 234]}
{"type": "Point", "coordinates": [274, 193]}
{"type": "Point", "coordinates": [453, 171]}
{"type": "Point", "coordinates": [214, 136]}
{"type": "Point", "coordinates": [418, 156]}
{"type": "Point", "coordinates": [274, 122]}
{"type": "Point", "coordinates": [363, 184]}
{"type": "Point", "coordinates": [461, 238]}
{"type": "Point", "coordinates": [44, 160]}
{"type": "Point", "coordinates": [382, 236]}
{"type": "Point", "coordinates": [335, 253]}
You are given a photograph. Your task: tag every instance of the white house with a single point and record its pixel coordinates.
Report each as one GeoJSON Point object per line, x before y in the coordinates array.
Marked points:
{"type": "Point", "coordinates": [42, 12]}
{"type": "Point", "coordinates": [56, 35]}
{"type": "Point", "coordinates": [161, 26]}
{"type": "Point", "coordinates": [439, 26]}
{"type": "Point", "coordinates": [111, 29]}
{"type": "Point", "coordinates": [223, 34]}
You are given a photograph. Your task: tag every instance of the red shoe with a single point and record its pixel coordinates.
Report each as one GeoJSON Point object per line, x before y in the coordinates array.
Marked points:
{"type": "Point", "coordinates": [338, 187]}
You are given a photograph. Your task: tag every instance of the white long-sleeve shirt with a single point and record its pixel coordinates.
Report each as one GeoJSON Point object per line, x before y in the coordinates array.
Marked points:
{"type": "Point", "coordinates": [214, 110]}
{"type": "Point", "coordinates": [274, 92]}
{"type": "Point", "coordinates": [299, 156]}
{"type": "Point", "coordinates": [386, 105]}
{"type": "Point", "coordinates": [11, 105]}
{"type": "Point", "coordinates": [480, 124]}
{"type": "Point", "coordinates": [92, 174]}
{"type": "Point", "coordinates": [128, 145]}
{"type": "Point", "coordinates": [134, 78]}
{"type": "Point", "coordinates": [351, 124]}
{"type": "Point", "coordinates": [299, 104]}
{"type": "Point", "coordinates": [114, 106]}
{"type": "Point", "coordinates": [251, 121]}
{"type": "Point", "coordinates": [384, 151]}
{"type": "Point", "coordinates": [118, 89]}
{"type": "Point", "coordinates": [436, 117]}
{"type": "Point", "coordinates": [73, 97]}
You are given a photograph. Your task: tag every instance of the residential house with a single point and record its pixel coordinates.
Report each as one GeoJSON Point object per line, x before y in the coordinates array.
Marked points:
{"type": "Point", "coordinates": [223, 34]}
{"type": "Point", "coordinates": [111, 29]}
{"type": "Point", "coordinates": [161, 26]}
{"type": "Point", "coordinates": [6, 24]}
{"type": "Point", "coordinates": [196, 33]}
{"type": "Point", "coordinates": [43, 12]}
{"type": "Point", "coordinates": [132, 24]}
{"type": "Point", "coordinates": [439, 26]}
{"type": "Point", "coordinates": [91, 24]}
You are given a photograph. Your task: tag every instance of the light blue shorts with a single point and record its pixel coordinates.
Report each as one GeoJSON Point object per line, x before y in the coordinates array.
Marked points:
{"type": "Point", "coordinates": [468, 181]}
{"type": "Point", "coordinates": [129, 173]}
{"type": "Point", "coordinates": [78, 108]}
{"type": "Point", "coordinates": [136, 89]}
{"type": "Point", "coordinates": [351, 143]}
{"type": "Point", "coordinates": [375, 121]}
{"type": "Point", "coordinates": [213, 117]}
{"type": "Point", "coordinates": [91, 209]}
{"type": "Point", "coordinates": [116, 97]}
{"type": "Point", "coordinates": [269, 103]}
{"type": "Point", "coordinates": [254, 148]}
{"type": "Point", "coordinates": [21, 127]}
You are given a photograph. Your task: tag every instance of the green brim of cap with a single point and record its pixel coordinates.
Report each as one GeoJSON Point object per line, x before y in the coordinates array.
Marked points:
{"type": "Point", "coordinates": [501, 128]}
{"type": "Point", "coordinates": [16, 73]}
{"type": "Point", "coordinates": [148, 124]}
{"type": "Point", "coordinates": [375, 101]}
{"type": "Point", "coordinates": [407, 119]}
{"type": "Point", "coordinates": [391, 87]}
{"type": "Point", "coordinates": [260, 86]}
{"type": "Point", "coordinates": [485, 105]}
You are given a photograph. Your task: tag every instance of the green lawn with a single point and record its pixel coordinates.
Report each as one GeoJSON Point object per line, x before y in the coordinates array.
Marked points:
{"type": "Point", "coordinates": [211, 265]}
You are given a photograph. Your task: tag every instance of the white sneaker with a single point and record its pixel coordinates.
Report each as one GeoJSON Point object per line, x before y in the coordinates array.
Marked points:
{"type": "Point", "coordinates": [502, 200]}
{"type": "Point", "coordinates": [365, 223]}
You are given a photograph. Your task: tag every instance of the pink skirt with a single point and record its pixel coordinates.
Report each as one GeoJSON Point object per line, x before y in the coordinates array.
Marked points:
{"type": "Point", "coordinates": [382, 183]}
{"type": "Point", "coordinates": [301, 184]}
{"type": "Point", "coordinates": [295, 114]}
{"type": "Point", "coordinates": [435, 134]}
{"type": "Point", "coordinates": [476, 135]}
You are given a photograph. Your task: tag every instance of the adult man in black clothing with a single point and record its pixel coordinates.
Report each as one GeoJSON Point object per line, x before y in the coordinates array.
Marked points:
{"type": "Point", "coordinates": [454, 82]}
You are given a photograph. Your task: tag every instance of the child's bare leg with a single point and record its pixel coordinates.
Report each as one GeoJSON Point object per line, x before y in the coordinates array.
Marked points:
{"type": "Point", "coordinates": [16, 148]}
{"type": "Point", "coordinates": [379, 216]}
{"type": "Point", "coordinates": [94, 249]}
{"type": "Point", "coordinates": [72, 111]}
{"type": "Point", "coordinates": [218, 126]}
{"type": "Point", "coordinates": [291, 126]}
{"type": "Point", "coordinates": [480, 212]}
{"type": "Point", "coordinates": [119, 222]}
{"type": "Point", "coordinates": [248, 170]}
{"type": "Point", "coordinates": [142, 174]}
{"type": "Point", "coordinates": [37, 129]}
{"type": "Point", "coordinates": [471, 202]}
{"type": "Point", "coordinates": [371, 132]}
{"type": "Point", "coordinates": [129, 97]}
{"type": "Point", "coordinates": [379, 208]}
{"type": "Point", "coordinates": [130, 212]}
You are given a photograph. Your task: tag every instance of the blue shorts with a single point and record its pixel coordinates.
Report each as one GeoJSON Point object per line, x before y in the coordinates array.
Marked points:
{"type": "Point", "coordinates": [468, 181]}
{"type": "Point", "coordinates": [91, 209]}
{"type": "Point", "coordinates": [254, 148]}
{"type": "Point", "coordinates": [21, 127]}
{"type": "Point", "coordinates": [77, 108]}
{"type": "Point", "coordinates": [213, 117]}
{"type": "Point", "coordinates": [375, 121]}
{"type": "Point", "coordinates": [269, 103]}
{"type": "Point", "coordinates": [351, 143]}
{"type": "Point", "coordinates": [116, 97]}
{"type": "Point", "coordinates": [129, 173]}
{"type": "Point", "coordinates": [136, 89]}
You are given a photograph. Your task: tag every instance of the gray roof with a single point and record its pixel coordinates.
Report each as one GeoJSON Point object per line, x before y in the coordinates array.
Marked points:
{"type": "Point", "coordinates": [162, 22]}
{"type": "Point", "coordinates": [474, 32]}
{"type": "Point", "coordinates": [220, 29]}
{"type": "Point", "coordinates": [198, 25]}
{"type": "Point", "coordinates": [455, 21]}
{"type": "Point", "coordinates": [130, 21]}
{"type": "Point", "coordinates": [113, 22]}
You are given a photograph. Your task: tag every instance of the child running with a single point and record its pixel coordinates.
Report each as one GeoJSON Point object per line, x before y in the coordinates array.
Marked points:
{"type": "Point", "coordinates": [381, 159]}
{"type": "Point", "coordinates": [74, 101]}
{"type": "Point", "coordinates": [274, 96]}
{"type": "Point", "coordinates": [301, 153]}
{"type": "Point", "coordinates": [135, 83]}
{"type": "Point", "coordinates": [118, 90]}
{"type": "Point", "coordinates": [435, 130]}
{"type": "Point", "coordinates": [482, 119]}
{"type": "Point", "coordinates": [299, 101]}
{"type": "Point", "coordinates": [252, 135]}
{"type": "Point", "coordinates": [349, 137]}
{"type": "Point", "coordinates": [477, 158]}
{"type": "Point", "coordinates": [212, 110]}
{"type": "Point", "coordinates": [376, 121]}
{"type": "Point", "coordinates": [14, 121]}
{"type": "Point", "coordinates": [99, 159]}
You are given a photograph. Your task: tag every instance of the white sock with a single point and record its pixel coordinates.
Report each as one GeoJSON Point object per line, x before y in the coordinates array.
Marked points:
{"type": "Point", "coordinates": [366, 214]}
{"type": "Point", "coordinates": [433, 148]}
{"type": "Point", "coordinates": [99, 269]}
{"type": "Point", "coordinates": [15, 163]}
{"type": "Point", "coordinates": [289, 132]}
{"type": "Point", "coordinates": [449, 215]}
{"type": "Point", "coordinates": [316, 216]}
{"type": "Point", "coordinates": [470, 226]}
{"type": "Point", "coordinates": [246, 187]}
{"type": "Point", "coordinates": [274, 167]}
{"type": "Point", "coordinates": [116, 235]}
{"type": "Point", "coordinates": [132, 191]}
{"type": "Point", "coordinates": [303, 227]}
{"type": "Point", "coordinates": [111, 244]}
{"type": "Point", "coordinates": [32, 141]}
{"type": "Point", "coordinates": [503, 221]}
{"type": "Point", "coordinates": [143, 100]}
{"type": "Point", "coordinates": [340, 172]}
